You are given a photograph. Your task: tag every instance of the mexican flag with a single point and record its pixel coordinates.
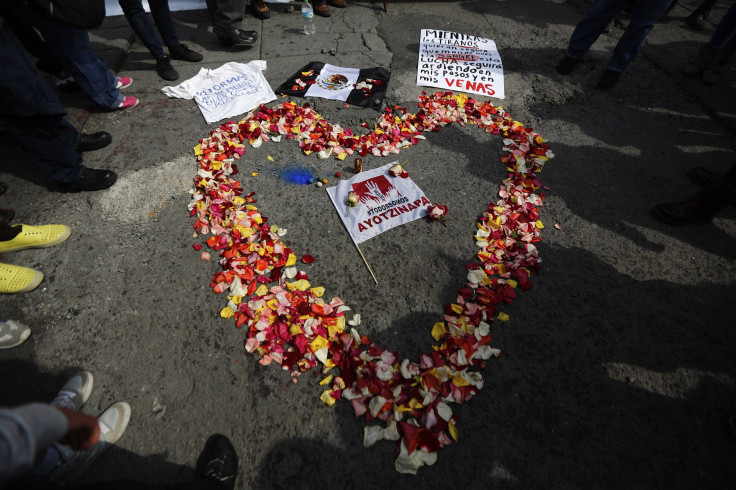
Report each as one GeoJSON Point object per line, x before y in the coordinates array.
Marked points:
{"type": "Point", "coordinates": [364, 87]}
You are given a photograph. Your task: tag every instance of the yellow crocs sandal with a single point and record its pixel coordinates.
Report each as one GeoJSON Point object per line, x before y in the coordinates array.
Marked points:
{"type": "Point", "coordinates": [17, 279]}
{"type": "Point", "coordinates": [36, 237]}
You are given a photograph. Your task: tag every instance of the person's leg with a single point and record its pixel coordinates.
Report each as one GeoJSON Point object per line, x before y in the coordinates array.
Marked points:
{"type": "Point", "coordinates": [33, 115]}
{"type": "Point", "coordinates": [591, 26]}
{"type": "Point", "coordinates": [162, 17]}
{"type": "Point", "coordinates": [228, 15]}
{"type": "Point", "coordinates": [23, 92]}
{"type": "Point", "coordinates": [72, 48]}
{"type": "Point", "coordinates": [725, 29]}
{"type": "Point", "coordinates": [138, 20]}
{"type": "Point", "coordinates": [643, 16]}
{"type": "Point", "coordinates": [704, 8]}
{"type": "Point", "coordinates": [718, 192]}
{"type": "Point", "coordinates": [32, 41]}
{"type": "Point", "coordinates": [227, 20]}
{"type": "Point", "coordinates": [50, 141]}
{"type": "Point", "coordinates": [203, 484]}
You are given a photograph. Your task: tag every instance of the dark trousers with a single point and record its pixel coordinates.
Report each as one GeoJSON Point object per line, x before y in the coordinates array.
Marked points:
{"type": "Point", "coordinates": [71, 47]}
{"type": "Point", "coordinates": [203, 484]}
{"type": "Point", "coordinates": [644, 13]}
{"type": "Point", "coordinates": [227, 15]}
{"type": "Point", "coordinates": [721, 193]}
{"type": "Point", "coordinates": [32, 41]}
{"type": "Point", "coordinates": [32, 115]}
{"type": "Point", "coordinates": [138, 20]}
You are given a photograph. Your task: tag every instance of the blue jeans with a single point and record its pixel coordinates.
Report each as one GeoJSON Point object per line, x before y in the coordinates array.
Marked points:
{"type": "Point", "coordinates": [32, 115]}
{"type": "Point", "coordinates": [644, 13]}
{"type": "Point", "coordinates": [136, 15]}
{"type": "Point", "coordinates": [71, 47]}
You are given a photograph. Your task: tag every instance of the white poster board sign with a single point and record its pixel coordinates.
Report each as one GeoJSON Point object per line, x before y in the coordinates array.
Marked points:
{"type": "Point", "coordinates": [460, 62]}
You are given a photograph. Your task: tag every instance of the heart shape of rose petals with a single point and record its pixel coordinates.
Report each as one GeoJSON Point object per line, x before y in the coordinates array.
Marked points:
{"type": "Point", "coordinates": [290, 324]}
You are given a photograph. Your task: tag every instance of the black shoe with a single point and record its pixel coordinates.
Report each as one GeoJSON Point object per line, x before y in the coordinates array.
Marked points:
{"type": "Point", "coordinates": [218, 460]}
{"type": "Point", "coordinates": [183, 53]}
{"type": "Point", "coordinates": [6, 216]}
{"type": "Point", "coordinates": [94, 141]}
{"type": "Point", "coordinates": [696, 21]}
{"type": "Point", "coordinates": [703, 177]}
{"type": "Point", "coordinates": [238, 37]}
{"type": "Point", "coordinates": [567, 65]}
{"type": "Point", "coordinates": [608, 79]}
{"type": "Point", "coordinates": [688, 212]}
{"type": "Point", "coordinates": [64, 81]}
{"type": "Point", "coordinates": [92, 179]}
{"type": "Point", "coordinates": [165, 70]}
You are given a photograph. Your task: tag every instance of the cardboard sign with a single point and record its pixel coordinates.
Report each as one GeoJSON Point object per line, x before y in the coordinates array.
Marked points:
{"type": "Point", "coordinates": [460, 63]}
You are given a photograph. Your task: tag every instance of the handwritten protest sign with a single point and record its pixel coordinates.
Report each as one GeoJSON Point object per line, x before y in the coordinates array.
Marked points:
{"type": "Point", "coordinates": [460, 62]}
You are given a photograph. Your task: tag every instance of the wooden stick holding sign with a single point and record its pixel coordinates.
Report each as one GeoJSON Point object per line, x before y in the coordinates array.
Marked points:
{"type": "Point", "coordinates": [351, 202]}
{"type": "Point", "coordinates": [366, 263]}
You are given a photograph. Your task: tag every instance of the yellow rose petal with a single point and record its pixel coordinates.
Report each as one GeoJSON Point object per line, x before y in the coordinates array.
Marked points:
{"type": "Point", "coordinates": [438, 329]}
{"type": "Point", "coordinates": [503, 317]}
{"type": "Point", "coordinates": [453, 430]}
{"type": "Point", "coordinates": [327, 398]}
{"type": "Point", "coordinates": [318, 343]}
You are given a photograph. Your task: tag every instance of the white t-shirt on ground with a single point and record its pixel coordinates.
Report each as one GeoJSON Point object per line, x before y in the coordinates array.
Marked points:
{"type": "Point", "coordinates": [230, 90]}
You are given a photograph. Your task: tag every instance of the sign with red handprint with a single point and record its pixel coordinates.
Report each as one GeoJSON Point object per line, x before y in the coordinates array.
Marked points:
{"type": "Point", "coordinates": [383, 202]}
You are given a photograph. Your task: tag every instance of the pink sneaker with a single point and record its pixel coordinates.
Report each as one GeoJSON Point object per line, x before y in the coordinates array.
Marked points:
{"type": "Point", "coordinates": [128, 101]}
{"type": "Point", "coordinates": [123, 82]}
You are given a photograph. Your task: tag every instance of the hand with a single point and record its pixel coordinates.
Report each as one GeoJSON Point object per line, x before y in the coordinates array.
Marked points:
{"type": "Point", "coordinates": [83, 431]}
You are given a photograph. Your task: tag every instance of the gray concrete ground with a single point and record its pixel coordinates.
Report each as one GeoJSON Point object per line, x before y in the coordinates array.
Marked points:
{"type": "Point", "coordinates": [618, 366]}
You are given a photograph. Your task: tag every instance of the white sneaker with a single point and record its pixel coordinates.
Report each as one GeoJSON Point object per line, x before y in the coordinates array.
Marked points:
{"type": "Point", "coordinates": [113, 422]}
{"type": "Point", "coordinates": [72, 464]}
{"type": "Point", "coordinates": [75, 392]}
{"type": "Point", "coordinates": [12, 333]}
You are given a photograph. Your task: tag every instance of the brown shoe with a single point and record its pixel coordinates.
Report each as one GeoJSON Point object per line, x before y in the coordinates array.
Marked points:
{"type": "Point", "coordinates": [322, 10]}
{"type": "Point", "coordinates": [260, 9]}
{"type": "Point", "coordinates": [337, 3]}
